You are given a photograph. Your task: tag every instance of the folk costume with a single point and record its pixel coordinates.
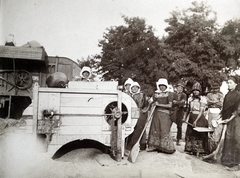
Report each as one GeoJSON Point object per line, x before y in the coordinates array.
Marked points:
{"type": "Point", "coordinates": [142, 103]}
{"type": "Point", "coordinates": [159, 135]}
{"type": "Point", "coordinates": [196, 142]}
{"type": "Point", "coordinates": [179, 100]}
{"type": "Point", "coordinates": [214, 103]}
{"type": "Point", "coordinates": [231, 106]}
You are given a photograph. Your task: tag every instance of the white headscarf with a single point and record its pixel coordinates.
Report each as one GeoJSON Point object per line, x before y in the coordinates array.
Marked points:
{"type": "Point", "coordinates": [128, 81]}
{"type": "Point", "coordinates": [135, 84]}
{"type": "Point", "coordinates": [162, 81]}
{"type": "Point", "coordinates": [86, 69]}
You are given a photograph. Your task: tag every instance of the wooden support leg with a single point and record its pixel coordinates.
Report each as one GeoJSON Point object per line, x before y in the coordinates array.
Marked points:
{"type": "Point", "coordinates": [123, 141]}
{"type": "Point", "coordinates": [119, 128]}
{"type": "Point", "coordinates": [113, 139]}
{"type": "Point", "coordinates": [9, 107]}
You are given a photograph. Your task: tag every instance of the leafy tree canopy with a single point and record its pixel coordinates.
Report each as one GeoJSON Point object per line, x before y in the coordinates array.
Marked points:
{"type": "Point", "coordinates": [130, 51]}
{"type": "Point", "coordinates": [230, 44]}
{"type": "Point", "coordinates": [195, 49]}
{"type": "Point", "coordinates": [192, 32]}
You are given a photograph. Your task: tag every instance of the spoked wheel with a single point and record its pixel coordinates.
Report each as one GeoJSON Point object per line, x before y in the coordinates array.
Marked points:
{"type": "Point", "coordinates": [23, 80]}
{"type": "Point", "coordinates": [109, 108]}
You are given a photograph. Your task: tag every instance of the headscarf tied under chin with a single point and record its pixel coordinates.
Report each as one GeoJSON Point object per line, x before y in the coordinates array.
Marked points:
{"type": "Point", "coordinates": [162, 81]}
{"type": "Point", "coordinates": [128, 81]}
{"type": "Point", "coordinates": [86, 69]}
{"type": "Point", "coordinates": [135, 84]}
{"type": "Point", "coordinates": [231, 103]}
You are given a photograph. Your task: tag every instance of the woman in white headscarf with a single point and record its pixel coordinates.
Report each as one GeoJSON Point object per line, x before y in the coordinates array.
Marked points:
{"type": "Point", "coordinates": [127, 86]}
{"type": "Point", "coordinates": [159, 135]}
{"type": "Point", "coordinates": [85, 75]}
{"type": "Point", "coordinates": [142, 103]}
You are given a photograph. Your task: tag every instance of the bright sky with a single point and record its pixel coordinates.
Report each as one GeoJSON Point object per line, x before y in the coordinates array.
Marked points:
{"type": "Point", "coordinates": [72, 28]}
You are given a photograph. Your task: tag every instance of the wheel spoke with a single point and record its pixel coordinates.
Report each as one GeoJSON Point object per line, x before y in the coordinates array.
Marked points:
{"type": "Point", "coordinates": [23, 80]}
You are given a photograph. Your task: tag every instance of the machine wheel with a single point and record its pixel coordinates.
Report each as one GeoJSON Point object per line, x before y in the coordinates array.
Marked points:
{"type": "Point", "coordinates": [23, 80]}
{"type": "Point", "coordinates": [110, 107]}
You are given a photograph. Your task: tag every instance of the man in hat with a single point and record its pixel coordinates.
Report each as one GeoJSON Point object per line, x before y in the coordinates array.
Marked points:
{"type": "Point", "coordinates": [214, 103]}
{"type": "Point", "coordinates": [179, 101]}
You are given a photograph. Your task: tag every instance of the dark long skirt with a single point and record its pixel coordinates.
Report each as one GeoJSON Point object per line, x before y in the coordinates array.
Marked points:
{"type": "Point", "coordinates": [131, 140]}
{"type": "Point", "coordinates": [196, 142]}
{"type": "Point", "coordinates": [159, 134]}
{"type": "Point", "coordinates": [231, 148]}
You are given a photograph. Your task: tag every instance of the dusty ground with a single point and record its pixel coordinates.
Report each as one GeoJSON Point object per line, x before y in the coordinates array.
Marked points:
{"type": "Point", "coordinates": [19, 160]}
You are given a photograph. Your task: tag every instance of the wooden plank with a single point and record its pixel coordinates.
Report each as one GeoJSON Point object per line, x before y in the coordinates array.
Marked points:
{"type": "Point", "coordinates": [28, 111]}
{"type": "Point", "coordinates": [82, 95]}
{"type": "Point", "coordinates": [48, 101]}
{"type": "Point", "coordinates": [80, 110]}
{"type": "Point", "coordinates": [81, 121]}
{"type": "Point", "coordinates": [35, 106]}
{"type": "Point", "coordinates": [81, 100]}
{"type": "Point", "coordinates": [64, 130]}
{"type": "Point", "coordinates": [76, 90]}
{"type": "Point", "coordinates": [109, 85]}
{"type": "Point", "coordinates": [22, 53]}
{"type": "Point", "coordinates": [54, 146]}
{"type": "Point", "coordinates": [63, 139]}
{"type": "Point", "coordinates": [120, 141]}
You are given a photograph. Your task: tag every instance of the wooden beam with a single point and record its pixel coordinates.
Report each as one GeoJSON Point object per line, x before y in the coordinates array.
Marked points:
{"type": "Point", "coordinates": [22, 53]}
{"type": "Point", "coordinates": [35, 106]}
{"type": "Point", "coordinates": [119, 129]}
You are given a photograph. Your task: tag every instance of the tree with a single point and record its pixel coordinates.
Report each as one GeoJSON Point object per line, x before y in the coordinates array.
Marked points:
{"type": "Point", "coordinates": [89, 62]}
{"type": "Point", "coordinates": [191, 35]}
{"type": "Point", "coordinates": [130, 51]}
{"type": "Point", "coordinates": [230, 44]}
{"type": "Point", "coordinates": [194, 49]}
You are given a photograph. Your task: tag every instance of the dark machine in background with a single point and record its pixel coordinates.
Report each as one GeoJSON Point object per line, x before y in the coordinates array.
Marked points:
{"type": "Point", "coordinates": [19, 67]}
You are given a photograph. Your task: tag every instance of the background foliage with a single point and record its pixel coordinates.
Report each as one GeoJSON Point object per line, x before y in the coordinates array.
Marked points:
{"type": "Point", "coordinates": [194, 49]}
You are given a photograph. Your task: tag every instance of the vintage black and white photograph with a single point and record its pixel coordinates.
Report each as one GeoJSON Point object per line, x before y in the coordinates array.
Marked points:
{"type": "Point", "coordinates": [119, 89]}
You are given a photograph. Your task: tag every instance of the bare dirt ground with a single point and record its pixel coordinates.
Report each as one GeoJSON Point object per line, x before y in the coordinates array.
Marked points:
{"type": "Point", "coordinates": [20, 160]}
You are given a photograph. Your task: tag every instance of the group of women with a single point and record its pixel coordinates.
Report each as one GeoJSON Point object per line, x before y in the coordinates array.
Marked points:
{"type": "Point", "coordinates": [159, 137]}
{"type": "Point", "coordinates": [196, 142]}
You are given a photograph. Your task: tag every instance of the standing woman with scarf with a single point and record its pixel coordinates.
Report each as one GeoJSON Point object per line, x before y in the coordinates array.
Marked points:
{"type": "Point", "coordinates": [231, 115]}
{"type": "Point", "coordinates": [159, 135]}
{"type": "Point", "coordinates": [196, 142]}
{"type": "Point", "coordinates": [127, 86]}
{"type": "Point", "coordinates": [142, 103]}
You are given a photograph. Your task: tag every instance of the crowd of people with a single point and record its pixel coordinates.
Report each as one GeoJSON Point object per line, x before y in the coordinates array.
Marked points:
{"type": "Point", "coordinates": [213, 121]}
